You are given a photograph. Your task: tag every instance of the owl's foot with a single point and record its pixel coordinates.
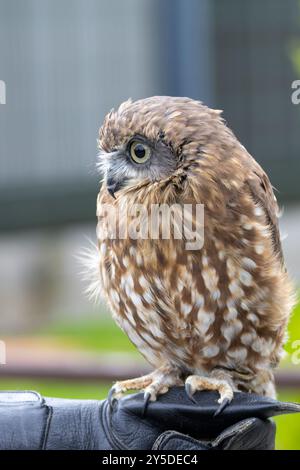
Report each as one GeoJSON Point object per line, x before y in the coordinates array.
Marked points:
{"type": "Point", "coordinates": [153, 384]}
{"type": "Point", "coordinates": [197, 382]}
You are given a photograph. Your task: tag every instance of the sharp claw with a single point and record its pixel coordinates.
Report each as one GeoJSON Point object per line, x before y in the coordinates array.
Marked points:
{"type": "Point", "coordinates": [111, 398]}
{"type": "Point", "coordinates": [188, 391]}
{"type": "Point", "coordinates": [222, 407]}
{"type": "Point", "coordinates": [147, 396]}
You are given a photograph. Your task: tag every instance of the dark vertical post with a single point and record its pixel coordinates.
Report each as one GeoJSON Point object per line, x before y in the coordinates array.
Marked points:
{"type": "Point", "coordinates": [185, 48]}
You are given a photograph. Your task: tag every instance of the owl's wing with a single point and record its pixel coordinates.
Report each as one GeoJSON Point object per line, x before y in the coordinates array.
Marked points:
{"type": "Point", "coordinates": [262, 192]}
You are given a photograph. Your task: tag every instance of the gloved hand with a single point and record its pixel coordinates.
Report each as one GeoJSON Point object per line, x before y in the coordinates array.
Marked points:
{"type": "Point", "coordinates": [28, 421]}
{"type": "Point", "coordinates": [175, 423]}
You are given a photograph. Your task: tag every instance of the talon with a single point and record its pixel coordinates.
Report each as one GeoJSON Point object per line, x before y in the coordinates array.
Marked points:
{"type": "Point", "coordinates": [147, 396]}
{"type": "Point", "coordinates": [222, 407]}
{"type": "Point", "coordinates": [188, 391]}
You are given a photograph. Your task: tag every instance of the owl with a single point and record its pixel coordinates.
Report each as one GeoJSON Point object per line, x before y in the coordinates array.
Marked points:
{"type": "Point", "coordinates": [211, 317]}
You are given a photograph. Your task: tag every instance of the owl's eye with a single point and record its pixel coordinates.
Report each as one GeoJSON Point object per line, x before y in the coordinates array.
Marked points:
{"type": "Point", "coordinates": [139, 152]}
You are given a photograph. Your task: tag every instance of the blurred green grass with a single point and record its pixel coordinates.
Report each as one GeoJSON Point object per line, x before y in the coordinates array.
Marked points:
{"type": "Point", "coordinates": [96, 334]}
{"type": "Point", "coordinates": [58, 388]}
{"type": "Point", "coordinates": [288, 426]}
{"type": "Point", "coordinates": [102, 335]}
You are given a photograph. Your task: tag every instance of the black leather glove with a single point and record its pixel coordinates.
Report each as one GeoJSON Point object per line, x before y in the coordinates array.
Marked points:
{"type": "Point", "coordinates": [28, 421]}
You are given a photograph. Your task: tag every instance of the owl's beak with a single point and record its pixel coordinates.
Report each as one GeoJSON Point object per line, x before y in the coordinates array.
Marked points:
{"type": "Point", "coordinates": [113, 186]}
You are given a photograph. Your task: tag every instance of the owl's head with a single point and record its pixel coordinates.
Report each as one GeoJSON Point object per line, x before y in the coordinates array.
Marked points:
{"type": "Point", "coordinates": [153, 139]}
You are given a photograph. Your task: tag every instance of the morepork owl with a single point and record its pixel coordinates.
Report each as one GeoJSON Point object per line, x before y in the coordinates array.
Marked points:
{"type": "Point", "coordinates": [212, 318]}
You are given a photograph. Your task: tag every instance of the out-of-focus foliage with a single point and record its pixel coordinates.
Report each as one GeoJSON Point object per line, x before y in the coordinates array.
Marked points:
{"type": "Point", "coordinates": [293, 336]}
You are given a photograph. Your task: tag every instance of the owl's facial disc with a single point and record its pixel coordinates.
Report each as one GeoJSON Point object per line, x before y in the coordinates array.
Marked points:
{"type": "Point", "coordinates": [138, 161]}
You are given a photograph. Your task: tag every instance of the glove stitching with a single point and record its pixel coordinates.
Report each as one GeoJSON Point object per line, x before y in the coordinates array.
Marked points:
{"type": "Point", "coordinates": [173, 435]}
{"type": "Point", "coordinates": [46, 429]}
{"type": "Point", "coordinates": [233, 432]}
{"type": "Point", "coordinates": [108, 428]}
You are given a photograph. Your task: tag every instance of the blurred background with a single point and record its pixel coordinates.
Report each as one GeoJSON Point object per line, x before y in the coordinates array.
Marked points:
{"type": "Point", "coordinates": [65, 64]}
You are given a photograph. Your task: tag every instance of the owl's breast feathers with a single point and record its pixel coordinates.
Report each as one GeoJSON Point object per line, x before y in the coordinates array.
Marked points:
{"type": "Point", "coordinates": [225, 304]}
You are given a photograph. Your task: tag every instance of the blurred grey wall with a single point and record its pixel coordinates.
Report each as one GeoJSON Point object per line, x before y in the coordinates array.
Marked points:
{"type": "Point", "coordinates": [66, 63]}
